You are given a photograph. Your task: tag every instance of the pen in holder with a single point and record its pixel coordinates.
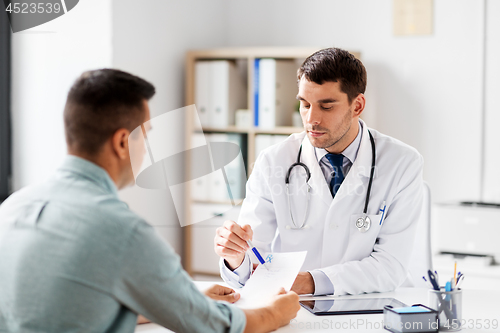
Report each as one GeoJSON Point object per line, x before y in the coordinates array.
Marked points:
{"type": "Point", "coordinates": [448, 304]}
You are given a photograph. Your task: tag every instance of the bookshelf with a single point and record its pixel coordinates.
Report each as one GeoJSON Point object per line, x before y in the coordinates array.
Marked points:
{"type": "Point", "coordinates": [198, 238]}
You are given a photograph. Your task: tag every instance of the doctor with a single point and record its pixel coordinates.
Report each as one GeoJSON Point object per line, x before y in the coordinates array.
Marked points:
{"type": "Point", "coordinates": [352, 202]}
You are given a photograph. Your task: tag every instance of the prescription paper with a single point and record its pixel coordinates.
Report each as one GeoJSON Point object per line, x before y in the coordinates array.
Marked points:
{"type": "Point", "coordinates": [264, 284]}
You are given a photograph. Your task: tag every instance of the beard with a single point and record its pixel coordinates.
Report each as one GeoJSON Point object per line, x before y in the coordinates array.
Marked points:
{"type": "Point", "coordinates": [331, 137]}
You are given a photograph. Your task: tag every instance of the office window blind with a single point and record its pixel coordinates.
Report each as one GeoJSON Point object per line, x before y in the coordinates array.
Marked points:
{"type": "Point", "coordinates": [5, 125]}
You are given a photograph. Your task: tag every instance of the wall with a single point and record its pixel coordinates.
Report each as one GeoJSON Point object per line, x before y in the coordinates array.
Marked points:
{"type": "Point", "coordinates": [423, 90]}
{"type": "Point", "coordinates": [45, 62]}
{"type": "Point", "coordinates": [151, 41]}
{"type": "Point", "coordinates": [492, 108]}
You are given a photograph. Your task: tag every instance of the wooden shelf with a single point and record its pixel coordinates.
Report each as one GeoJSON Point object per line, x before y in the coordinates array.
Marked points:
{"type": "Point", "coordinates": [255, 52]}
{"type": "Point", "coordinates": [285, 130]}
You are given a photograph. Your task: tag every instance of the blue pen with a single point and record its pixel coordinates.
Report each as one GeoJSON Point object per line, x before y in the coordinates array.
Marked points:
{"type": "Point", "coordinates": [383, 212]}
{"type": "Point", "coordinates": [257, 254]}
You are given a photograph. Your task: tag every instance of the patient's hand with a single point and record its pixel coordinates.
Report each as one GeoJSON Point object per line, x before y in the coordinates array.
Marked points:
{"type": "Point", "coordinates": [142, 320]}
{"type": "Point", "coordinates": [220, 293]}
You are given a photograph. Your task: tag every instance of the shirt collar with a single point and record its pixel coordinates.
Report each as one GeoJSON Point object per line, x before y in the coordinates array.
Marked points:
{"type": "Point", "coordinates": [92, 171]}
{"type": "Point", "coordinates": [351, 152]}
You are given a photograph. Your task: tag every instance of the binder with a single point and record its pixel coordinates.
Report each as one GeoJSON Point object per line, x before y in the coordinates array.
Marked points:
{"type": "Point", "coordinates": [278, 138]}
{"type": "Point", "coordinates": [277, 92]}
{"type": "Point", "coordinates": [256, 92]}
{"type": "Point", "coordinates": [227, 93]}
{"type": "Point", "coordinates": [235, 171]}
{"type": "Point", "coordinates": [200, 185]}
{"type": "Point", "coordinates": [201, 91]}
{"type": "Point", "coordinates": [262, 141]}
{"type": "Point", "coordinates": [202, 234]}
{"type": "Point", "coordinates": [231, 186]}
{"type": "Point", "coordinates": [217, 182]}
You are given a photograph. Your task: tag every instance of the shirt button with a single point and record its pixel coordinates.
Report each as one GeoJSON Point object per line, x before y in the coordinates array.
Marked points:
{"type": "Point", "coordinates": [334, 226]}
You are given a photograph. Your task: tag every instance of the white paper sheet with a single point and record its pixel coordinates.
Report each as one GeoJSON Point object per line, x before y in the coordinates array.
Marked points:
{"type": "Point", "coordinates": [264, 284]}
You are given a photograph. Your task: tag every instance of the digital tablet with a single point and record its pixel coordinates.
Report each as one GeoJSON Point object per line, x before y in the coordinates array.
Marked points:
{"type": "Point", "coordinates": [344, 306]}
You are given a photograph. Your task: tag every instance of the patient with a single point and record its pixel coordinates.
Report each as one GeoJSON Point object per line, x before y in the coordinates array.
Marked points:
{"type": "Point", "coordinates": [74, 258]}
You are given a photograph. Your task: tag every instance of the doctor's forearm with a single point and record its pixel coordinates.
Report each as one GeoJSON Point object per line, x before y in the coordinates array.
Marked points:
{"type": "Point", "coordinates": [304, 284]}
{"type": "Point", "coordinates": [233, 263]}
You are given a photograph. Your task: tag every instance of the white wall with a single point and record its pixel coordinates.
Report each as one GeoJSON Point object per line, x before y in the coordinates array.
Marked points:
{"type": "Point", "coordinates": [151, 41]}
{"type": "Point", "coordinates": [492, 121]}
{"type": "Point", "coordinates": [424, 90]}
{"type": "Point", "coordinates": [45, 62]}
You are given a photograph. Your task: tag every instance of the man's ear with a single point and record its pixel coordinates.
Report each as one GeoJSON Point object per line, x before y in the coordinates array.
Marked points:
{"type": "Point", "coordinates": [359, 105]}
{"type": "Point", "coordinates": [120, 143]}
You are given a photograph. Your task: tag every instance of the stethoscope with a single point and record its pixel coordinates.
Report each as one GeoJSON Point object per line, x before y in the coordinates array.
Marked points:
{"type": "Point", "coordinates": [363, 223]}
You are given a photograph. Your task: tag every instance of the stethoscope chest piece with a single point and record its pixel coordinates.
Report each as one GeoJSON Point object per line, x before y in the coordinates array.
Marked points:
{"type": "Point", "coordinates": [363, 224]}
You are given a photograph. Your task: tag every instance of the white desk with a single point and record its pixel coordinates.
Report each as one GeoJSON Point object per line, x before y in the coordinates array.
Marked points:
{"type": "Point", "coordinates": [478, 305]}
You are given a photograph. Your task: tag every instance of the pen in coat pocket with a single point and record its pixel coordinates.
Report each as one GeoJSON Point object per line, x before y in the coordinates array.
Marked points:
{"type": "Point", "coordinates": [382, 209]}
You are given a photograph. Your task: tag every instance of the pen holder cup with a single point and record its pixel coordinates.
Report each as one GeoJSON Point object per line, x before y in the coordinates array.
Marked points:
{"type": "Point", "coordinates": [448, 304]}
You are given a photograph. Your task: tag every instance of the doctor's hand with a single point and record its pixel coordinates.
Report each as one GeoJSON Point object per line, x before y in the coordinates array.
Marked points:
{"type": "Point", "coordinates": [231, 242]}
{"type": "Point", "coordinates": [304, 284]}
{"type": "Point", "coordinates": [221, 293]}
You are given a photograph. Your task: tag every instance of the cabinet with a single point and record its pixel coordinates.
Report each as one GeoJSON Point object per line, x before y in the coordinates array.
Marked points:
{"type": "Point", "coordinates": [199, 256]}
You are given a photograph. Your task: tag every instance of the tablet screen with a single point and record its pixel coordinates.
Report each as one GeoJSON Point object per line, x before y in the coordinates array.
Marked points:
{"type": "Point", "coordinates": [350, 306]}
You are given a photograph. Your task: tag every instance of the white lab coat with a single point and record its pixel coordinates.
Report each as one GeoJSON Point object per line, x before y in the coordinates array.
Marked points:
{"type": "Point", "coordinates": [355, 262]}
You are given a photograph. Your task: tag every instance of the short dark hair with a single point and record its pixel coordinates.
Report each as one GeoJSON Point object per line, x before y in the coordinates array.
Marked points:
{"type": "Point", "coordinates": [99, 103]}
{"type": "Point", "coordinates": [335, 65]}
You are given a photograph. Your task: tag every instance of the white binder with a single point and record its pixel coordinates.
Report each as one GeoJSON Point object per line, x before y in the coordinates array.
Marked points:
{"type": "Point", "coordinates": [202, 92]}
{"type": "Point", "coordinates": [278, 138]}
{"type": "Point", "coordinates": [262, 141]}
{"type": "Point", "coordinates": [199, 186]}
{"type": "Point", "coordinates": [217, 183]}
{"type": "Point", "coordinates": [227, 93]}
{"type": "Point", "coordinates": [203, 257]}
{"type": "Point", "coordinates": [277, 92]}
{"type": "Point", "coordinates": [236, 172]}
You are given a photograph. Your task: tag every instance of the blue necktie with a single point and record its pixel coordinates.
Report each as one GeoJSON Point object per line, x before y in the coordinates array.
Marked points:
{"type": "Point", "coordinates": [336, 160]}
